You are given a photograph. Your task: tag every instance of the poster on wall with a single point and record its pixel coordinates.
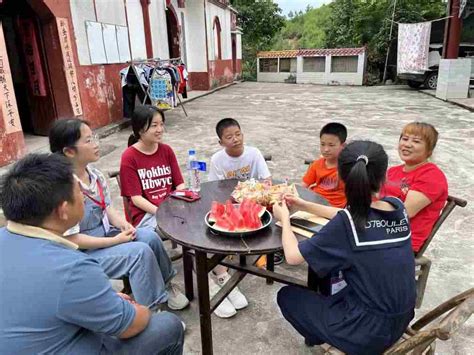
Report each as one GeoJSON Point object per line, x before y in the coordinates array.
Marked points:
{"type": "Point", "coordinates": [8, 106]}
{"type": "Point", "coordinates": [110, 43]}
{"type": "Point", "coordinates": [69, 66]}
{"type": "Point", "coordinates": [95, 41]}
{"type": "Point", "coordinates": [122, 43]}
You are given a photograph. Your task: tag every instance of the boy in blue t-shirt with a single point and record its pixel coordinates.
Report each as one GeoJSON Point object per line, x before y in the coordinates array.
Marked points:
{"type": "Point", "coordinates": [77, 312]}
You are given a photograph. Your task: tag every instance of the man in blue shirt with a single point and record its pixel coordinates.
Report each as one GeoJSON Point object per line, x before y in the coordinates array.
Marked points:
{"type": "Point", "coordinates": [56, 299]}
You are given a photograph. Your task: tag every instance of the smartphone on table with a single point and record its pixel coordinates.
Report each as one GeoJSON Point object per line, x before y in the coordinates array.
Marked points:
{"type": "Point", "coordinates": [306, 224]}
{"type": "Point", "coordinates": [186, 195]}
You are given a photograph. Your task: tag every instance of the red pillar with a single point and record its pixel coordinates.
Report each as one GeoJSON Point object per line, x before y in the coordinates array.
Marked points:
{"type": "Point", "coordinates": [453, 31]}
{"type": "Point", "coordinates": [147, 26]}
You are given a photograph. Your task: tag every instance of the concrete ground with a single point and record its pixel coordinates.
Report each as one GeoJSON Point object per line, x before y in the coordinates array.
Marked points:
{"type": "Point", "coordinates": [284, 120]}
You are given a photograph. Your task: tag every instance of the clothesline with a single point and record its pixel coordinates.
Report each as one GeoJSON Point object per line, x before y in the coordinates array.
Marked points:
{"type": "Point", "coordinates": [440, 19]}
{"type": "Point", "coordinates": [159, 60]}
{"type": "Point", "coordinates": [155, 63]}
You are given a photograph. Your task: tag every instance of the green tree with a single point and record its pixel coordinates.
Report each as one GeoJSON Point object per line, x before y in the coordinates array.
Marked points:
{"type": "Point", "coordinates": [356, 23]}
{"type": "Point", "coordinates": [304, 31]}
{"type": "Point", "coordinates": [260, 20]}
{"type": "Point", "coordinates": [341, 30]}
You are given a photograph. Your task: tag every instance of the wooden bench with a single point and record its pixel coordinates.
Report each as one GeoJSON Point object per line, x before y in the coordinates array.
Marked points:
{"type": "Point", "coordinates": [420, 337]}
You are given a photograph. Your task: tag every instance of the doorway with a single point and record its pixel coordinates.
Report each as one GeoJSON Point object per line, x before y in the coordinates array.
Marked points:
{"type": "Point", "coordinates": [172, 28]}
{"type": "Point", "coordinates": [29, 68]}
{"type": "Point", "coordinates": [234, 54]}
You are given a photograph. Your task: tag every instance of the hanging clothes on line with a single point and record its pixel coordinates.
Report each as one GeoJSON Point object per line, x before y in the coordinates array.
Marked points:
{"type": "Point", "coordinates": [413, 47]}
{"type": "Point", "coordinates": [161, 90]}
{"type": "Point", "coordinates": [155, 81]}
{"type": "Point", "coordinates": [183, 74]}
{"type": "Point", "coordinates": [133, 87]}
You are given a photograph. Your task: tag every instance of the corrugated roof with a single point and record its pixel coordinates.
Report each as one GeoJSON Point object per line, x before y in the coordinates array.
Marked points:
{"type": "Point", "coordinates": [311, 52]}
{"type": "Point", "coordinates": [278, 54]}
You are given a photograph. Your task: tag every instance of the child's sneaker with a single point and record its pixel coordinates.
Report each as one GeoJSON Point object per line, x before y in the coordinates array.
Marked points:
{"type": "Point", "coordinates": [278, 258]}
{"type": "Point", "coordinates": [176, 300]}
{"type": "Point", "coordinates": [236, 297]}
{"type": "Point", "coordinates": [225, 308]}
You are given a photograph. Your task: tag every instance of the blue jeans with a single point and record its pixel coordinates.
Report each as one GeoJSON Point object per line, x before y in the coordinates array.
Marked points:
{"type": "Point", "coordinates": [163, 335]}
{"type": "Point", "coordinates": [144, 261]}
{"type": "Point", "coordinates": [148, 221]}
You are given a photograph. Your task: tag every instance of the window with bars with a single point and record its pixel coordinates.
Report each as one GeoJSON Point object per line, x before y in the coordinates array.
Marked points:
{"type": "Point", "coordinates": [287, 65]}
{"type": "Point", "coordinates": [346, 64]}
{"type": "Point", "coordinates": [268, 65]}
{"type": "Point", "coordinates": [314, 64]}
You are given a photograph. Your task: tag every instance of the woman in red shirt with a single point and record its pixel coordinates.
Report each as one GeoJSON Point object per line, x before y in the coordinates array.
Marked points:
{"type": "Point", "coordinates": [149, 170]}
{"type": "Point", "coordinates": [420, 184]}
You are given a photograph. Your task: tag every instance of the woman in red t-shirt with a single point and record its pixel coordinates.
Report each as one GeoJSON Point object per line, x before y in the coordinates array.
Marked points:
{"type": "Point", "coordinates": [420, 184]}
{"type": "Point", "coordinates": [149, 170]}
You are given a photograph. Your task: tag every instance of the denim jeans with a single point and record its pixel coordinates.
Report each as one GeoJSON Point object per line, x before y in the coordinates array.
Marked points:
{"type": "Point", "coordinates": [148, 221]}
{"type": "Point", "coordinates": [144, 261]}
{"type": "Point", "coordinates": [163, 335]}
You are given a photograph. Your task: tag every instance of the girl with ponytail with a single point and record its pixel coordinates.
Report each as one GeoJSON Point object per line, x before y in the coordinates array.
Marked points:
{"type": "Point", "coordinates": [369, 241]}
{"type": "Point", "coordinates": [149, 170]}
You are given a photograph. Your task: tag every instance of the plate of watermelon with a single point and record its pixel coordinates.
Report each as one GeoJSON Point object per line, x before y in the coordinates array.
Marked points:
{"type": "Point", "coordinates": [237, 219]}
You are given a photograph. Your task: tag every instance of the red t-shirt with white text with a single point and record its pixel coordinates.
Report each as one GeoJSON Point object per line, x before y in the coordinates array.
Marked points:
{"type": "Point", "coordinates": [431, 182]}
{"type": "Point", "coordinates": [151, 176]}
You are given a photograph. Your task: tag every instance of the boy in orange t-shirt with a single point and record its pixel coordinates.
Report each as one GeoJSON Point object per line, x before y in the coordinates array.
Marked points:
{"type": "Point", "coordinates": [322, 176]}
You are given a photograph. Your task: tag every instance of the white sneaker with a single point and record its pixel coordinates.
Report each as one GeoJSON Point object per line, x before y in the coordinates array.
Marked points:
{"type": "Point", "coordinates": [236, 297]}
{"type": "Point", "coordinates": [176, 300]}
{"type": "Point", "coordinates": [225, 308]}
{"type": "Point", "coordinates": [184, 326]}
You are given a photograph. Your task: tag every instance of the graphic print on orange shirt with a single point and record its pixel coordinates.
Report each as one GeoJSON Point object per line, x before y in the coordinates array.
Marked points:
{"type": "Point", "coordinates": [329, 182]}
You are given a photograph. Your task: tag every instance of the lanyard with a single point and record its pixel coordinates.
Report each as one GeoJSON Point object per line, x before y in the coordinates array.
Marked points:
{"type": "Point", "coordinates": [100, 203]}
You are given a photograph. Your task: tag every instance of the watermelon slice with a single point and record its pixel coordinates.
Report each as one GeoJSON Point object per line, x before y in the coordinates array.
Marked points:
{"type": "Point", "coordinates": [217, 210]}
{"type": "Point", "coordinates": [236, 218]}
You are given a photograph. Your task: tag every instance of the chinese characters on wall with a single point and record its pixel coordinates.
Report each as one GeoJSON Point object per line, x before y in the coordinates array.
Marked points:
{"type": "Point", "coordinates": [8, 106]}
{"type": "Point", "coordinates": [69, 67]}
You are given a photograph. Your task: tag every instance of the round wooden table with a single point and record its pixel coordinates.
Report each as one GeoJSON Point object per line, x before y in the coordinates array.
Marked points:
{"type": "Point", "coordinates": [183, 223]}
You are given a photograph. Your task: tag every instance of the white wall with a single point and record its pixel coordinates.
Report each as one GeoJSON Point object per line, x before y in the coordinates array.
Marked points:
{"type": "Point", "coordinates": [329, 78]}
{"type": "Point", "coordinates": [272, 77]}
{"type": "Point", "coordinates": [136, 29]}
{"type": "Point", "coordinates": [159, 34]}
{"type": "Point", "coordinates": [224, 19]}
{"type": "Point", "coordinates": [81, 11]}
{"type": "Point", "coordinates": [324, 78]}
{"type": "Point", "coordinates": [195, 36]}
{"type": "Point", "coordinates": [111, 12]}
{"type": "Point", "coordinates": [238, 39]}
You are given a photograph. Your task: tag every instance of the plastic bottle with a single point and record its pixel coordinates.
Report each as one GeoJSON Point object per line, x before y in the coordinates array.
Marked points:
{"type": "Point", "coordinates": [194, 181]}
